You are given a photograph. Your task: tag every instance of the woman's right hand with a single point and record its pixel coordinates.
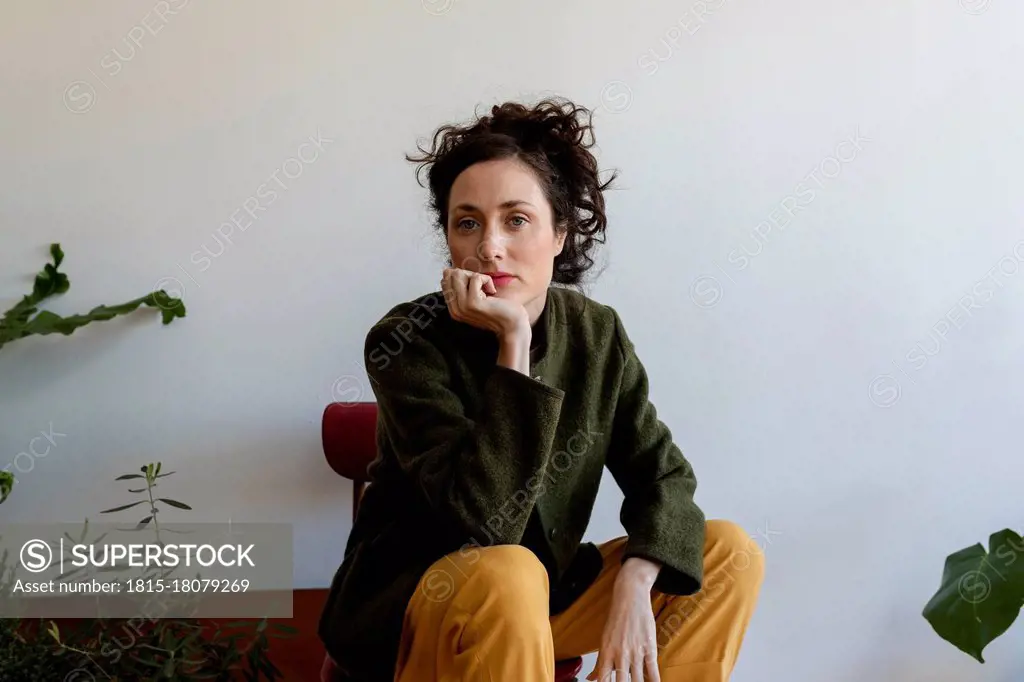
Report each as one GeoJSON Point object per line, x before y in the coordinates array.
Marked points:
{"type": "Point", "coordinates": [471, 299]}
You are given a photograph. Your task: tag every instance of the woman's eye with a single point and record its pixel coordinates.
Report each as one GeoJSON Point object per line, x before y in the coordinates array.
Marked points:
{"type": "Point", "coordinates": [521, 219]}
{"type": "Point", "coordinates": [466, 224]}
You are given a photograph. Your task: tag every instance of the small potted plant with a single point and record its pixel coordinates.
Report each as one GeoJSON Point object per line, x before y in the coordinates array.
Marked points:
{"type": "Point", "coordinates": [123, 650]}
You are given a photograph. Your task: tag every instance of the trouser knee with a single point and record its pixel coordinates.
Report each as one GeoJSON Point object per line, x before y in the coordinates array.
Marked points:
{"type": "Point", "coordinates": [508, 580]}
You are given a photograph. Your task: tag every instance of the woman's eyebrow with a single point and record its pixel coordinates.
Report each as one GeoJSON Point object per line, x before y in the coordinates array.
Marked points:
{"type": "Point", "coordinates": [511, 203]}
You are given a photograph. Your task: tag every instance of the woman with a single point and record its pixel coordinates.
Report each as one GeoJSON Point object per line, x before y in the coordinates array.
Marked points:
{"type": "Point", "coordinates": [501, 399]}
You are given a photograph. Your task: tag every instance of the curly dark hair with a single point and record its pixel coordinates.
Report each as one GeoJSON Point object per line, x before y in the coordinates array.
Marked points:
{"type": "Point", "coordinates": [553, 138]}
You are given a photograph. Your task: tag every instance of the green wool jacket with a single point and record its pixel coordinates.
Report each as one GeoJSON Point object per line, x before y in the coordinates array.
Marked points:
{"type": "Point", "coordinates": [472, 454]}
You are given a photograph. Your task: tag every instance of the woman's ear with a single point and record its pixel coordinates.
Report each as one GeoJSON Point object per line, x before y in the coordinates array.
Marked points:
{"type": "Point", "coordinates": [560, 240]}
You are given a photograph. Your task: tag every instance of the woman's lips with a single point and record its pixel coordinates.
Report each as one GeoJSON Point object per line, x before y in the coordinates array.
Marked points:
{"type": "Point", "coordinates": [502, 280]}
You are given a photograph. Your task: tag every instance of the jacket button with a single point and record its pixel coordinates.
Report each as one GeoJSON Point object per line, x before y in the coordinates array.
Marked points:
{"type": "Point", "coordinates": [554, 533]}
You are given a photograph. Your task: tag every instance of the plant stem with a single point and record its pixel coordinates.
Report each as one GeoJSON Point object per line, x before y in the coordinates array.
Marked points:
{"type": "Point", "coordinates": [88, 656]}
{"type": "Point", "coordinates": [150, 483]}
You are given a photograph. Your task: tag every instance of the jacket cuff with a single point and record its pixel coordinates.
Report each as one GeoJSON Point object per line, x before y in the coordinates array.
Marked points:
{"type": "Point", "coordinates": [517, 381]}
{"type": "Point", "coordinates": [682, 573]}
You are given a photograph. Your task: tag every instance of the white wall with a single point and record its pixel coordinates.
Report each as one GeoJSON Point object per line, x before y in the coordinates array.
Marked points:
{"type": "Point", "coordinates": [766, 369]}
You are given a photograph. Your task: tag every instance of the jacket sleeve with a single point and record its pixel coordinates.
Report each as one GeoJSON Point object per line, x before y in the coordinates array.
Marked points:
{"type": "Point", "coordinates": [479, 473]}
{"type": "Point", "coordinates": [658, 510]}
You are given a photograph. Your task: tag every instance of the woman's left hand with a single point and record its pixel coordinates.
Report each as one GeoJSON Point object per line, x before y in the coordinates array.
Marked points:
{"type": "Point", "coordinates": [629, 643]}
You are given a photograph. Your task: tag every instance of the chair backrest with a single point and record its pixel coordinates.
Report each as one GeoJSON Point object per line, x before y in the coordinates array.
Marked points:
{"type": "Point", "coordinates": [349, 434]}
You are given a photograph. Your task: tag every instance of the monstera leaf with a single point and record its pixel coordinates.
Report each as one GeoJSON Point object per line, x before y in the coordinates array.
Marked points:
{"type": "Point", "coordinates": [6, 483]}
{"type": "Point", "coordinates": [981, 593]}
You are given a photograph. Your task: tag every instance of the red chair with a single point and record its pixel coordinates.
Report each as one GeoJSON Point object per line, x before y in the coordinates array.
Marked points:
{"type": "Point", "coordinates": [350, 445]}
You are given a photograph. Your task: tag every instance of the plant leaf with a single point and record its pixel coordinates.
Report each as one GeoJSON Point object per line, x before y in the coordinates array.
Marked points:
{"type": "Point", "coordinates": [46, 322]}
{"type": "Point", "coordinates": [174, 503]}
{"type": "Point", "coordinates": [6, 483]}
{"type": "Point", "coordinates": [125, 477]}
{"type": "Point", "coordinates": [122, 508]}
{"type": "Point", "coordinates": [981, 593]}
{"type": "Point", "coordinates": [288, 629]}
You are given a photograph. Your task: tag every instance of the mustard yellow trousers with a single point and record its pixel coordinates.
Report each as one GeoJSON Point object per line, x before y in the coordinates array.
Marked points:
{"type": "Point", "coordinates": [483, 615]}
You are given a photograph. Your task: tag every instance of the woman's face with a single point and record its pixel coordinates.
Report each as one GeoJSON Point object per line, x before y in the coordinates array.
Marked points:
{"type": "Point", "coordinates": [499, 221]}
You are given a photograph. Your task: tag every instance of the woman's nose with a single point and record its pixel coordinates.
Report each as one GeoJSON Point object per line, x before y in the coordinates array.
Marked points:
{"type": "Point", "coordinates": [492, 246]}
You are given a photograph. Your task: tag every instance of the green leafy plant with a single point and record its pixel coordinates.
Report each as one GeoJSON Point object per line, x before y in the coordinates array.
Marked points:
{"type": "Point", "coordinates": [18, 322]}
{"type": "Point", "coordinates": [120, 650]}
{"type": "Point", "coordinates": [981, 594]}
